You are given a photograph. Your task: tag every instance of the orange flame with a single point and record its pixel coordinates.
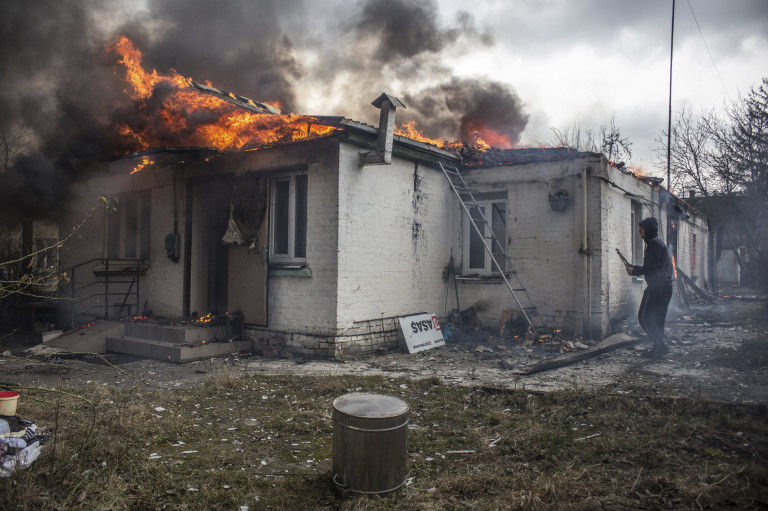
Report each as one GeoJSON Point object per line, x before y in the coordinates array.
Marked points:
{"type": "Point", "coordinates": [410, 130]}
{"type": "Point", "coordinates": [170, 110]}
{"type": "Point", "coordinates": [486, 137]}
{"type": "Point", "coordinates": [204, 320]}
{"type": "Point", "coordinates": [483, 140]}
{"type": "Point", "coordinates": [144, 162]}
{"type": "Point", "coordinates": [674, 265]}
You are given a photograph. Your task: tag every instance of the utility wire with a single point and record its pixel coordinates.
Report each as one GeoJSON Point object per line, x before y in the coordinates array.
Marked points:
{"type": "Point", "coordinates": [725, 89]}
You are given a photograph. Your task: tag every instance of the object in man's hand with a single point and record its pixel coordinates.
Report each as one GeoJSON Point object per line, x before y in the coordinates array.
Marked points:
{"type": "Point", "coordinates": [623, 259]}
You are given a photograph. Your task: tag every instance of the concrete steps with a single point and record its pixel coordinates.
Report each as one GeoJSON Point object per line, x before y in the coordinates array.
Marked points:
{"type": "Point", "coordinates": [173, 352]}
{"type": "Point", "coordinates": [176, 344]}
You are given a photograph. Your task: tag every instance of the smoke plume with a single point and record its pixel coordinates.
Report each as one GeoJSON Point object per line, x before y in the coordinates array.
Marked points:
{"type": "Point", "coordinates": [61, 92]}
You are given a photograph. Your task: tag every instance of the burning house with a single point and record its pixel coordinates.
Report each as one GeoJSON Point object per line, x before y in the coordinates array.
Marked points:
{"type": "Point", "coordinates": [323, 231]}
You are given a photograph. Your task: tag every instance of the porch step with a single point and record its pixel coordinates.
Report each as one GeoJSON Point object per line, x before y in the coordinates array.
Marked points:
{"type": "Point", "coordinates": [175, 334]}
{"type": "Point", "coordinates": [175, 352]}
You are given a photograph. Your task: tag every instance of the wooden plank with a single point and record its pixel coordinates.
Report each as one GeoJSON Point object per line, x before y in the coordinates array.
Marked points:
{"type": "Point", "coordinates": [612, 342]}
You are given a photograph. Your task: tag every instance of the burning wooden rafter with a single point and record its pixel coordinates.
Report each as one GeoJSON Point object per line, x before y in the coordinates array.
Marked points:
{"type": "Point", "coordinates": [171, 110]}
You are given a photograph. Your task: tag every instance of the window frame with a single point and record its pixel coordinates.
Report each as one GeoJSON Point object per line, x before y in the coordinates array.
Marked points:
{"type": "Point", "coordinates": [118, 223]}
{"type": "Point", "coordinates": [296, 225]}
{"type": "Point", "coordinates": [468, 233]}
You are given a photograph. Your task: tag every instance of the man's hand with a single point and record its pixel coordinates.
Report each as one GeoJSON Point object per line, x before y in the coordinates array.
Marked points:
{"type": "Point", "coordinates": [629, 268]}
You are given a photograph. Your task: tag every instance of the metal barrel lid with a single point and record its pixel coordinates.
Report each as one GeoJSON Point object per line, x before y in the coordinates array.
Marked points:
{"type": "Point", "coordinates": [370, 405]}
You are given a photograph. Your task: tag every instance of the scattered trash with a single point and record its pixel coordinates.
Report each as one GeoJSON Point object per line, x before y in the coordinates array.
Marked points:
{"type": "Point", "coordinates": [20, 443]}
{"type": "Point", "coordinates": [159, 409]}
{"type": "Point", "coordinates": [587, 437]}
{"type": "Point", "coordinates": [460, 452]}
{"type": "Point", "coordinates": [494, 442]}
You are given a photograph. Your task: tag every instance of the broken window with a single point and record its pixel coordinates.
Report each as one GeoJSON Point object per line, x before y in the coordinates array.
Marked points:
{"type": "Point", "coordinates": [289, 219]}
{"type": "Point", "coordinates": [128, 228]}
{"type": "Point", "coordinates": [476, 257]}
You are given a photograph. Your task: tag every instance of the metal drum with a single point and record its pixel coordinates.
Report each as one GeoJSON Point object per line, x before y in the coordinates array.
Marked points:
{"type": "Point", "coordinates": [369, 442]}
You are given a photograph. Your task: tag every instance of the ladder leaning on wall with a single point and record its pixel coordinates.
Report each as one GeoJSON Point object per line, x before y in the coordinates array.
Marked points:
{"type": "Point", "coordinates": [480, 224]}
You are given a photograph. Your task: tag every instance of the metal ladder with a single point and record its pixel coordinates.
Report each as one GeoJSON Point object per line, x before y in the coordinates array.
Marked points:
{"type": "Point", "coordinates": [470, 205]}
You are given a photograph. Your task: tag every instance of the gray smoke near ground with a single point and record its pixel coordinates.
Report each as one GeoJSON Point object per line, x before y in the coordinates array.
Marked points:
{"type": "Point", "coordinates": [63, 90]}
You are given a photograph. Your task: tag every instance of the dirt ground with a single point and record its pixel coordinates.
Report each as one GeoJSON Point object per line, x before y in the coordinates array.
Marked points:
{"type": "Point", "coordinates": [719, 353]}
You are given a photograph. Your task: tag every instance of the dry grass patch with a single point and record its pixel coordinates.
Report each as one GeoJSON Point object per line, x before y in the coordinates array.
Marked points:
{"type": "Point", "coordinates": [265, 442]}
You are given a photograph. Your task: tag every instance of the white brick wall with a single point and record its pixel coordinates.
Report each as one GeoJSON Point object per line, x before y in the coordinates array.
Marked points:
{"type": "Point", "coordinates": [380, 239]}
{"type": "Point", "coordinates": [307, 305]}
{"type": "Point", "coordinates": [543, 244]}
{"type": "Point", "coordinates": [394, 242]}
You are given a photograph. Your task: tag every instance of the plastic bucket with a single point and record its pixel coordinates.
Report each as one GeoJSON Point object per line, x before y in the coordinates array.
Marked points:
{"type": "Point", "coordinates": [8, 402]}
{"type": "Point", "coordinates": [369, 443]}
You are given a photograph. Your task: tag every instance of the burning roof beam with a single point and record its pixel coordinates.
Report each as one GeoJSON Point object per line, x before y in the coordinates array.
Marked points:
{"type": "Point", "coordinates": [243, 102]}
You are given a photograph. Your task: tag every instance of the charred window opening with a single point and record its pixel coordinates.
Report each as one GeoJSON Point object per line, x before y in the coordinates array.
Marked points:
{"type": "Point", "coordinates": [289, 219]}
{"type": "Point", "coordinates": [476, 257]}
{"type": "Point", "coordinates": [129, 228]}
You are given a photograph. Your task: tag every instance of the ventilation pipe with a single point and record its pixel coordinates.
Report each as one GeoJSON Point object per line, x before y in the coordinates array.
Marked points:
{"type": "Point", "coordinates": [586, 252]}
{"type": "Point", "coordinates": [382, 155]}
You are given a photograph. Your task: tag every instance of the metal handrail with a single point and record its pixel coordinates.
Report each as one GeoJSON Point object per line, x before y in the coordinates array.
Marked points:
{"type": "Point", "coordinates": [120, 279]}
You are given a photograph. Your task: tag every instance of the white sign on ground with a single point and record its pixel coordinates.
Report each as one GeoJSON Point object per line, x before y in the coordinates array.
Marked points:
{"type": "Point", "coordinates": [421, 332]}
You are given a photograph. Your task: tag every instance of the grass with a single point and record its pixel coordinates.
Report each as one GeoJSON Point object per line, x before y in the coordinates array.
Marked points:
{"type": "Point", "coordinates": [266, 442]}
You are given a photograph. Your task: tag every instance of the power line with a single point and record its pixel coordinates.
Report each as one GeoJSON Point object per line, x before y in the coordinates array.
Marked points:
{"type": "Point", "coordinates": [725, 89]}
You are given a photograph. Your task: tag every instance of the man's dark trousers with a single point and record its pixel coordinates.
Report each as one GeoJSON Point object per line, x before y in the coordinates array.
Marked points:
{"type": "Point", "coordinates": [653, 312]}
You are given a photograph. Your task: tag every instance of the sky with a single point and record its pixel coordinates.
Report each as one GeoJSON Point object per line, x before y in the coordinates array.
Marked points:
{"type": "Point", "coordinates": [520, 67]}
{"type": "Point", "coordinates": [581, 62]}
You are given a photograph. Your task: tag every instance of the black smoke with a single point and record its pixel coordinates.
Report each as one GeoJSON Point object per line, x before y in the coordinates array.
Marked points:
{"type": "Point", "coordinates": [461, 108]}
{"type": "Point", "coordinates": [56, 90]}
{"type": "Point", "coordinates": [62, 89]}
{"type": "Point", "coordinates": [405, 48]}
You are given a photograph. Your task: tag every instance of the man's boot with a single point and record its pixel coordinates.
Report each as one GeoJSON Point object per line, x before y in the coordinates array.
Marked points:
{"type": "Point", "coordinates": [658, 351]}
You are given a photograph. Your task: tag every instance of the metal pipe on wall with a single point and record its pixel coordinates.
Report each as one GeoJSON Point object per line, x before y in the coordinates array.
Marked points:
{"type": "Point", "coordinates": [587, 270]}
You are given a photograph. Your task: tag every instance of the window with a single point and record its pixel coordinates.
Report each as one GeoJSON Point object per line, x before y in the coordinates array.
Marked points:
{"type": "Point", "coordinates": [128, 228]}
{"type": "Point", "coordinates": [476, 257]}
{"type": "Point", "coordinates": [288, 242]}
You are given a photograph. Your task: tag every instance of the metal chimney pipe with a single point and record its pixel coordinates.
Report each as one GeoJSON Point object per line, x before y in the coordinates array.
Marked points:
{"type": "Point", "coordinates": [383, 153]}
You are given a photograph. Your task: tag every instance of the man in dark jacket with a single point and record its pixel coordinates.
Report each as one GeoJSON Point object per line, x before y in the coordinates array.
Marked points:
{"type": "Point", "coordinates": [659, 275]}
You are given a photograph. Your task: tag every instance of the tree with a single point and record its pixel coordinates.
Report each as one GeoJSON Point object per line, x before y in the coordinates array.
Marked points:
{"type": "Point", "coordinates": [747, 139]}
{"type": "Point", "coordinates": [35, 275]}
{"type": "Point", "coordinates": [611, 144]}
{"type": "Point", "coordinates": [725, 157]}
{"type": "Point", "coordinates": [574, 136]}
{"type": "Point", "coordinates": [13, 143]}
{"type": "Point", "coordinates": [694, 154]}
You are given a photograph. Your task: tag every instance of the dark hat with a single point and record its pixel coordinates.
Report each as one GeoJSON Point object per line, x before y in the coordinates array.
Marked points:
{"type": "Point", "coordinates": [651, 226]}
